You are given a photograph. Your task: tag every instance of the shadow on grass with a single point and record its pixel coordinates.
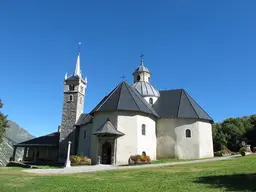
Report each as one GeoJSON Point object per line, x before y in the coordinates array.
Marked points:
{"type": "Point", "coordinates": [236, 182]}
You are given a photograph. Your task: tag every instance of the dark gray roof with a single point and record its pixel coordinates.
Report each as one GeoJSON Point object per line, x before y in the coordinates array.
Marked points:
{"type": "Point", "coordinates": [108, 129]}
{"type": "Point", "coordinates": [73, 78]}
{"type": "Point", "coordinates": [124, 98]}
{"type": "Point", "coordinates": [146, 89]}
{"type": "Point", "coordinates": [46, 140]}
{"type": "Point", "coordinates": [179, 104]}
{"type": "Point", "coordinates": [84, 119]}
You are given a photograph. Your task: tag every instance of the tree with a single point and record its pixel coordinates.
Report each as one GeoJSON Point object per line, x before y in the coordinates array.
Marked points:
{"type": "Point", "coordinates": [232, 131]}
{"type": "Point", "coordinates": [3, 122]}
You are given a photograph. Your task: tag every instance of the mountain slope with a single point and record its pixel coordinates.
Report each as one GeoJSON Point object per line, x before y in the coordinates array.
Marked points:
{"type": "Point", "coordinates": [14, 134]}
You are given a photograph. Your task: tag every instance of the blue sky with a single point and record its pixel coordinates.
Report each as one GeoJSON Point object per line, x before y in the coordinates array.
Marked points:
{"type": "Point", "coordinates": [206, 47]}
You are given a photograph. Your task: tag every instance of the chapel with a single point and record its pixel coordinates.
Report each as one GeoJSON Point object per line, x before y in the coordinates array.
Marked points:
{"type": "Point", "coordinates": [133, 118]}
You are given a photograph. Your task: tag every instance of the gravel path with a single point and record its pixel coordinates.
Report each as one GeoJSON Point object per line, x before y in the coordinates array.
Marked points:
{"type": "Point", "coordinates": [94, 168]}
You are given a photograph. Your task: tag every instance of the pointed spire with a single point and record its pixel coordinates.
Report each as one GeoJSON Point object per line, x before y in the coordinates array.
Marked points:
{"type": "Point", "coordinates": [66, 76]}
{"type": "Point", "coordinates": [85, 80]}
{"type": "Point", "coordinates": [77, 71]}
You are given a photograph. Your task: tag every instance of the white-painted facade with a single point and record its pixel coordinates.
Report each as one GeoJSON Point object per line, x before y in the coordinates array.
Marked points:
{"type": "Point", "coordinates": [172, 140]}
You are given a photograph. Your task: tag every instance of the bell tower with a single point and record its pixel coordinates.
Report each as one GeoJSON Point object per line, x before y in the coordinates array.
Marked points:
{"type": "Point", "coordinates": [73, 106]}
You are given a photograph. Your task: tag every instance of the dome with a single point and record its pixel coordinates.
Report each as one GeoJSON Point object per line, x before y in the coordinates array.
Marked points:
{"type": "Point", "coordinates": [146, 89]}
{"type": "Point", "coordinates": [142, 68]}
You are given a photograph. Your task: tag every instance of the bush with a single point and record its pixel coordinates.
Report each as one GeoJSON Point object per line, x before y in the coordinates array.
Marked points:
{"type": "Point", "coordinates": [222, 152]}
{"type": "Point", "coordinates": [139, 159]}
{"type": "Point", "coordinates": [77, 160]}
{"type": "Point", "coordinates": [218, 153]}
{"type": "Point", "coordinates": [244, 150]}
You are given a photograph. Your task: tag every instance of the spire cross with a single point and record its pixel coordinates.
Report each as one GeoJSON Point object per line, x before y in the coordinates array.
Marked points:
{"type": "Point", "coordinates": [141, 56]}
{"type": "Point", "coordinates": [123, 77]}
{"type": "Point", "coordinates": [141, 59]}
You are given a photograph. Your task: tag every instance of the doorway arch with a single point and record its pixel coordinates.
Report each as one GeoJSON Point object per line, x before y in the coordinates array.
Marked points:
{"type": "Point", "coordinates": [106, 153]}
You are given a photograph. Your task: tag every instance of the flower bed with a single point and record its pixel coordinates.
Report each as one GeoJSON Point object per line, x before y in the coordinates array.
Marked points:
{"type": "Point", "coordinates": [139, 159]}
{"type": "Point", "coordinates": [78, 160]}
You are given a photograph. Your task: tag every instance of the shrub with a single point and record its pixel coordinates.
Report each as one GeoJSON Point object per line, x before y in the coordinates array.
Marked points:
{"type": "Point", "coordinates": [218, 153]}
{"type": "Point", "coordinates": [77, 160]}
{"type": "Point", "coordinates": [243, 153]}
{"type": "Point", "coordinates": [226, 151]}
{"type": "Point", "coordinates": [222, 152]}
{"type": "Point", "coordinates": [244, 149]}
{"type": "Point", "coordinates": [139, 159]}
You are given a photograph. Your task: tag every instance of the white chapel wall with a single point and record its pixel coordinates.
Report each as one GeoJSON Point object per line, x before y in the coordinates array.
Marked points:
{"type": "Point", "coordinates": [133, 142]}
{"type": "Point", "coordinates": [126, 145]}
{"type": "Point", "coordinates": [205, 139]}
{"type": "Point", "coordinates": [146, 142]}
{"type": "Point", "coordinates": [166, 138]}
{"type": "Point", "coordinates": [187, 148]}
{"type": "Point", "coordinates": [84, 143]}
{"type": "Point", "coordinates": [172, 140]}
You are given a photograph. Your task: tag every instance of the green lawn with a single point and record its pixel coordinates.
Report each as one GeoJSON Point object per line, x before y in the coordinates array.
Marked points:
{"type": "Point", "coordinates": [238, 174]}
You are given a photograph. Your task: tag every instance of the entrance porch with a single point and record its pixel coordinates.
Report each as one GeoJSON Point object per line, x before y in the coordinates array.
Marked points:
{"type": "Point", "coordinates": [107, 135]}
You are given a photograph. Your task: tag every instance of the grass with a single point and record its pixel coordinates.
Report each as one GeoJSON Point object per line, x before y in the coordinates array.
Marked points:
{"type": "Point", "coordinates": [238, 174]}
{"type": "Point", "coordinates": [167, 161]}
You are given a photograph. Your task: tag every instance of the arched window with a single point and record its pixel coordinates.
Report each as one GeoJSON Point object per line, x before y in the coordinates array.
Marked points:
{"type": "Point", "coordinates": [138, 77]}
{"type": "Point", "coordinates": [148, 79]}
{"type": "Point", "coordinates": [70, 97]}
{"type": "Point", "coordinates": [143, 129]}
{"type": "Point", "coordinates": [151, 101]}
{"type": "Point", "coordinates": [84, 134]}
{"type": "Point", "coordinates": [188, 133]}
{"type": "Point", "coordinates": [71, 87]}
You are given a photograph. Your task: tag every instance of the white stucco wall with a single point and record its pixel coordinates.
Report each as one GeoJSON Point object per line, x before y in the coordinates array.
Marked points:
{"type": "Point", "coordinates": [127, 144]}
{"type": "Point", "coordinates": [146, 142]}
{"type": "Point", "coordinates": [166, 138]}
{"type": "Point", "coordinates": [206, 142]}
{"type": "Point", "coordinates": [172, 141]}
{"type": "Point", "coordinates": [187, 148]}
{"type": "Point", "coordinates": [84, 144]}
{"type": "Point", "coordinates": [133, 142]}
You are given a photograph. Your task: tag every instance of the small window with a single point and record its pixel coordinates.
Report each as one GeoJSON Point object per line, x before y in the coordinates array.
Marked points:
{"type": "Point", "coordinates": [148, 79]}
{"type": "Point", "coordinates": [84, 134]}
{"type": "Point", "coordinates": [81, 89]}
{"type": "Point", "coordinates": [188, 133]}
{"type": "Point", "coordinates": [70, 97]}
{"type": "Point", "coordinates": [143, 129]}
{"type": "Point", "coordinates": [151, 101]}
{"type": "Point", "coordinates": [138, 78]}
{"type": "Point", "coordinates": [71, 87]}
